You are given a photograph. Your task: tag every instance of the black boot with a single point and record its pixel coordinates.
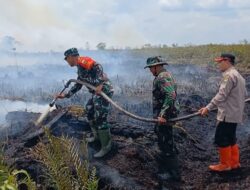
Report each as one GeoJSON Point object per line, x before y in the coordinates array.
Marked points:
{"type": "Point", "coordinates": [169, 169]}
{"type": "Point", "coordinates": [173, 168]}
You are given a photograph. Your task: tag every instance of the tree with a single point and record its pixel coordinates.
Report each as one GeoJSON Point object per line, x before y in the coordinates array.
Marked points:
{"type": "Point", "coordinates": [244, 41]}
{"type": "Point", "coordinates": [87, 46]}
{"type": "Point", "coordinates": [174, 45]}
{"type": "Point", "coordinates": [8, 43]}
{"type": "Point", "coordinates": [101, 46]}
{"type": "Point", "coordinates": [146, 46]}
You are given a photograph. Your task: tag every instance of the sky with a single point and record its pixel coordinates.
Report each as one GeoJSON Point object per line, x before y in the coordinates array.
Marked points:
{"type": "Point", "coordinates": [44, 25]}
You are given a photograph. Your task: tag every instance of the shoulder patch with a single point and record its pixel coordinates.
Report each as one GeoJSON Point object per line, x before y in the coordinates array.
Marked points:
{"type": "Point", "coordinates": [225, 79]}
{"type": "Point", "coordinates": [164, 75]}
{"type": "Point", "coordinates": [83, 61]}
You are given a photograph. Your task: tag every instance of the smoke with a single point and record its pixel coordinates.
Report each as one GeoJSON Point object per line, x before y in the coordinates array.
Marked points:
{"type": "Point", "coordinates": [44, 72]}
{"type": "Point", "coordinates": [37, 77]}
{"type": "Point", "coordinates": [9, 106]}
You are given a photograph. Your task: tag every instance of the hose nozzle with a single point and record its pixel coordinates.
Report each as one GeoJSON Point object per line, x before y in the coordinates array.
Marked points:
{"type": "Point", "coordinates": [66, 85]}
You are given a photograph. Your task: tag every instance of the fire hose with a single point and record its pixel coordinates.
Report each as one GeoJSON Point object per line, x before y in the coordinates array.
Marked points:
{"type": "Point", "coordinates": [125, 111]}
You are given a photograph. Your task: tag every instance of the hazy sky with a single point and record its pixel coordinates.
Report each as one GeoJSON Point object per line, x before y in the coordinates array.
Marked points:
{"type": "Point", "coordinates": [55, 24]}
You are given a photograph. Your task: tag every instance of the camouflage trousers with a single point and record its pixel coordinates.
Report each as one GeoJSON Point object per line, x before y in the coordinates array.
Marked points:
{"type": "Point", "coordinates": [168, 157]}
{"type": "Point", "coordinates": [165, 140]}
{"type": "Point", "coordinates": [97, 110]}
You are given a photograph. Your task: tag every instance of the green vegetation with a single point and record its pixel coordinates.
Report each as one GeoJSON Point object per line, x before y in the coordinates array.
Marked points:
{"type": "Point", "coordinates": [66, 170]}
{"type": "Point", "coordinates": [194, 54]}
{"type": "Point", "coordinates": [65, 166]}
{"type": "Point", "coordinates": [202, 54]}
{"type": "Point", "coordinates": [12, 179]}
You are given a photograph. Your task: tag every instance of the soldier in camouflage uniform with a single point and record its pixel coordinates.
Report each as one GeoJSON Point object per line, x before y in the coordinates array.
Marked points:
{"type": "Point", "coordinates": [97, 107]}
{"type": "Point", "coordinates": [165, 106]}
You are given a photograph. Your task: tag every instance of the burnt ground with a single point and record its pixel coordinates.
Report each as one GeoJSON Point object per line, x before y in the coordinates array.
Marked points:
{"type": "Point", "coordinates": [132, 164]}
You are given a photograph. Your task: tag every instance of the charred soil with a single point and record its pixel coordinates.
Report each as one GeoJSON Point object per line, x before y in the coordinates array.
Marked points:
{"type": "Point", "coordinates": [132, 163]}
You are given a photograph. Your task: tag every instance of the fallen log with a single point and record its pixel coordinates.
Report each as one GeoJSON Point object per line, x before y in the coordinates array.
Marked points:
{"type": "Point", "coordinates": [48, 126]}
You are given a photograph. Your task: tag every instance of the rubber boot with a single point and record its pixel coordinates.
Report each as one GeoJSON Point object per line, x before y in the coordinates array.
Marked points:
{"type": "Point", "coordinates": [235, 157]}
{"type": "Point", "coordinates": [225, 160]}
{"type": "Point", "coordinates": [95, 136]}
{"type": "Point", "coordinates": [173, 168]}
{"type": "Point", "coordinates": [169, 169]}
{"type": "Point", "coordinates": [105, 139]}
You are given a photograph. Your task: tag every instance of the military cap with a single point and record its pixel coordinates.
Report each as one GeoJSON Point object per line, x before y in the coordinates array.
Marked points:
{"type": "Point", "coordinates": [156, 60]}
{"type": "Point", "coordinates": [71, 52]}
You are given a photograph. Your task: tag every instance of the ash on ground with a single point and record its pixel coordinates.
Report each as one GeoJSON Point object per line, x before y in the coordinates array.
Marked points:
{"type": "Point", "coordinates": [132, 163]}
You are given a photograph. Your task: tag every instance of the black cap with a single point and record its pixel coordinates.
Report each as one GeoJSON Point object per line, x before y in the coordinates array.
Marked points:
{"type": "Point", "coordinates": [226, 56]}
{"type": "Point", "coordinates": [72, 52]}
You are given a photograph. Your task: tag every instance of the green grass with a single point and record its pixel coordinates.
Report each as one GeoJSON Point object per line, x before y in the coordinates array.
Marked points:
{"type": "Point", "coordinates": [200, 54]}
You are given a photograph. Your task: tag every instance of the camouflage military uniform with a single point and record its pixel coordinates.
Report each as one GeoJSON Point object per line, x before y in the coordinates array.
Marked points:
{"type": "Point", "coordinates": [97, 107]}
{"type": "Point", "coordinates": [165, 105]}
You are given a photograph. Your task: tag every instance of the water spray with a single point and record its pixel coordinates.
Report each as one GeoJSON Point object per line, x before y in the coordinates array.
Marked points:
{"type": "Point", "coordinates": [52, 103]}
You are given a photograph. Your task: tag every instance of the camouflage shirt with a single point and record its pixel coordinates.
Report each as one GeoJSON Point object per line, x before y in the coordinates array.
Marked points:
{"type": "Point", "coordinates": [95, 76]}
{"type": "Point", "coordinates": [164, 96]}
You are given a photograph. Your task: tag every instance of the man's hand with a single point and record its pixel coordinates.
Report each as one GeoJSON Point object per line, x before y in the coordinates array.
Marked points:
{"type": "Point", "coordinates": [98, 89]}
{"type": "Point", "coordinates": [60, 96]}
{"type": "Point", "coordinates": [203, 111]}
{"type": "Point", "coordinates": [161, 120]}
